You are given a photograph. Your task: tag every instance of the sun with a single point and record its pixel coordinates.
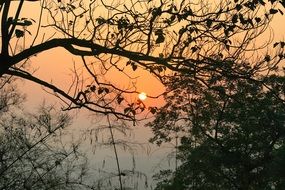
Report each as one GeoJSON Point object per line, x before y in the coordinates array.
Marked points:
{"type": "Point", "coordinates": [142, 96]}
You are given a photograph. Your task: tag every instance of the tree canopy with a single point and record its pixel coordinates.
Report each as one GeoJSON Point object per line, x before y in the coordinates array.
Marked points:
{"type": "Point", "coordinates": [231, 135]}
{"type": "Point", "coordinates": [191, 37]}
{"type": "Point", "coordinates": [34, 152]}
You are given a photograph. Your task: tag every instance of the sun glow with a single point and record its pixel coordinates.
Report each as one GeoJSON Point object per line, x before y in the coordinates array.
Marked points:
{"type": "Point", "coordinates": [142, 96]}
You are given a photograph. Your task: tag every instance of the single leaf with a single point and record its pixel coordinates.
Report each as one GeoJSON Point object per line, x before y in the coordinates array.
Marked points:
{"type": "Point", "coordinates": [227, 47]}
{"type": "Point", "coordinates": [238, 7]}
{"type": "Point", "coordinates": [261, 2]}
{"type": "Point", "coordinates": [100, 90]}
{"type": "Point", "coordinates": [209, 23]}
{"type": "Point", "coordinates": [257, 19]}
{"type": "Point", "coordinates": [283, 3]}
{"type": "Point", "coordinates": [106, 90]}
{"type": "Point", "coordinates": [27, 23]}
{"type": "Point", "coordinates": [267, 58]}
{"type": "Point", "coordinates": [235, 18]}
{"type": "Point", "coordinates": [100, 20]}
{"type": "Point", "coordinates": [160, 39]}
{"type": "Point", "coordinates": [134, 67]}
{"type": "Point", "coordinates": [242, 20]}
{"type": "Point", "coordinates": [133, 111]}
{"type": "Point", "coordinates": [273, 11]}
{"type": "Point", "coordinates": [93, 88]}
{"type": "Point", "coordinates": [182, 30]}
{"type": "Point", "coordinates": [275, 44]}
{"type": "Point", "coordinates": [19, 33]}
{"type": "Point", "coordinates": [160, 36]}
{"type": "Point", "coordinates": [152, 110]}
{"type": "Point", "coordinates": [250, 22]}
{"type": "Point", "coordinates": [120, 99]}
{"type": "Point", "coordinates": [194, 49]}
{"type": "Point", "coordinates": [127, 110]}
{"type": "Point", "coordinates": [128, 62]}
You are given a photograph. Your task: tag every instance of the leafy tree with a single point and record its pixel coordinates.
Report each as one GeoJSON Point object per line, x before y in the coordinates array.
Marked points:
{"type": "Point", "coordinates": [158, 36]}
{"type": "Point", "coordinates": [232, 133]}
{"type": "Point", "coordinates": [33, 152]}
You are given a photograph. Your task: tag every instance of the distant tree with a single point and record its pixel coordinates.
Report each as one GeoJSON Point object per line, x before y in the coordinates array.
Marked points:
{"type": "Point", "coordinates": [232, 133]}
{"type": "Point", "coordinates": [33, 152]}
{"type": "Point", "coordinates": [158, 36]}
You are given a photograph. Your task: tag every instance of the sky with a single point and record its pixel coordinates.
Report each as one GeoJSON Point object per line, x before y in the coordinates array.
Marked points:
{"type": "Point", "coordinates": [56, 65]}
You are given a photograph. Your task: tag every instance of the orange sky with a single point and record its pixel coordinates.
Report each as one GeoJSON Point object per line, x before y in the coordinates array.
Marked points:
{"type": "Point", "coordinates": [55, 65]}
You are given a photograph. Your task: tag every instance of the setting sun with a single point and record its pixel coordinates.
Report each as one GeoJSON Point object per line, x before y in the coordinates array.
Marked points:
{"type": "Point", "coordinates": [142, 96]}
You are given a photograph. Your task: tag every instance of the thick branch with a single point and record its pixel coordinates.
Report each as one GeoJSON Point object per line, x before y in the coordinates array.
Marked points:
{"type": "Point", "coordinates": [4, 29]}
{"type": "Point", "coordinates": [95, 49]}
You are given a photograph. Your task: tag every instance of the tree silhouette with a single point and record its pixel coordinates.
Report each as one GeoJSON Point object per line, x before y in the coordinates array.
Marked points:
{"type": "Point", "coordinates": [157, 36]}
{"type": "Point", "coordinates": [33, 152]}
{"type": "Point", "coordinates": [231, 134]}
{"type": "Point", "coordinates": [189, 46]}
